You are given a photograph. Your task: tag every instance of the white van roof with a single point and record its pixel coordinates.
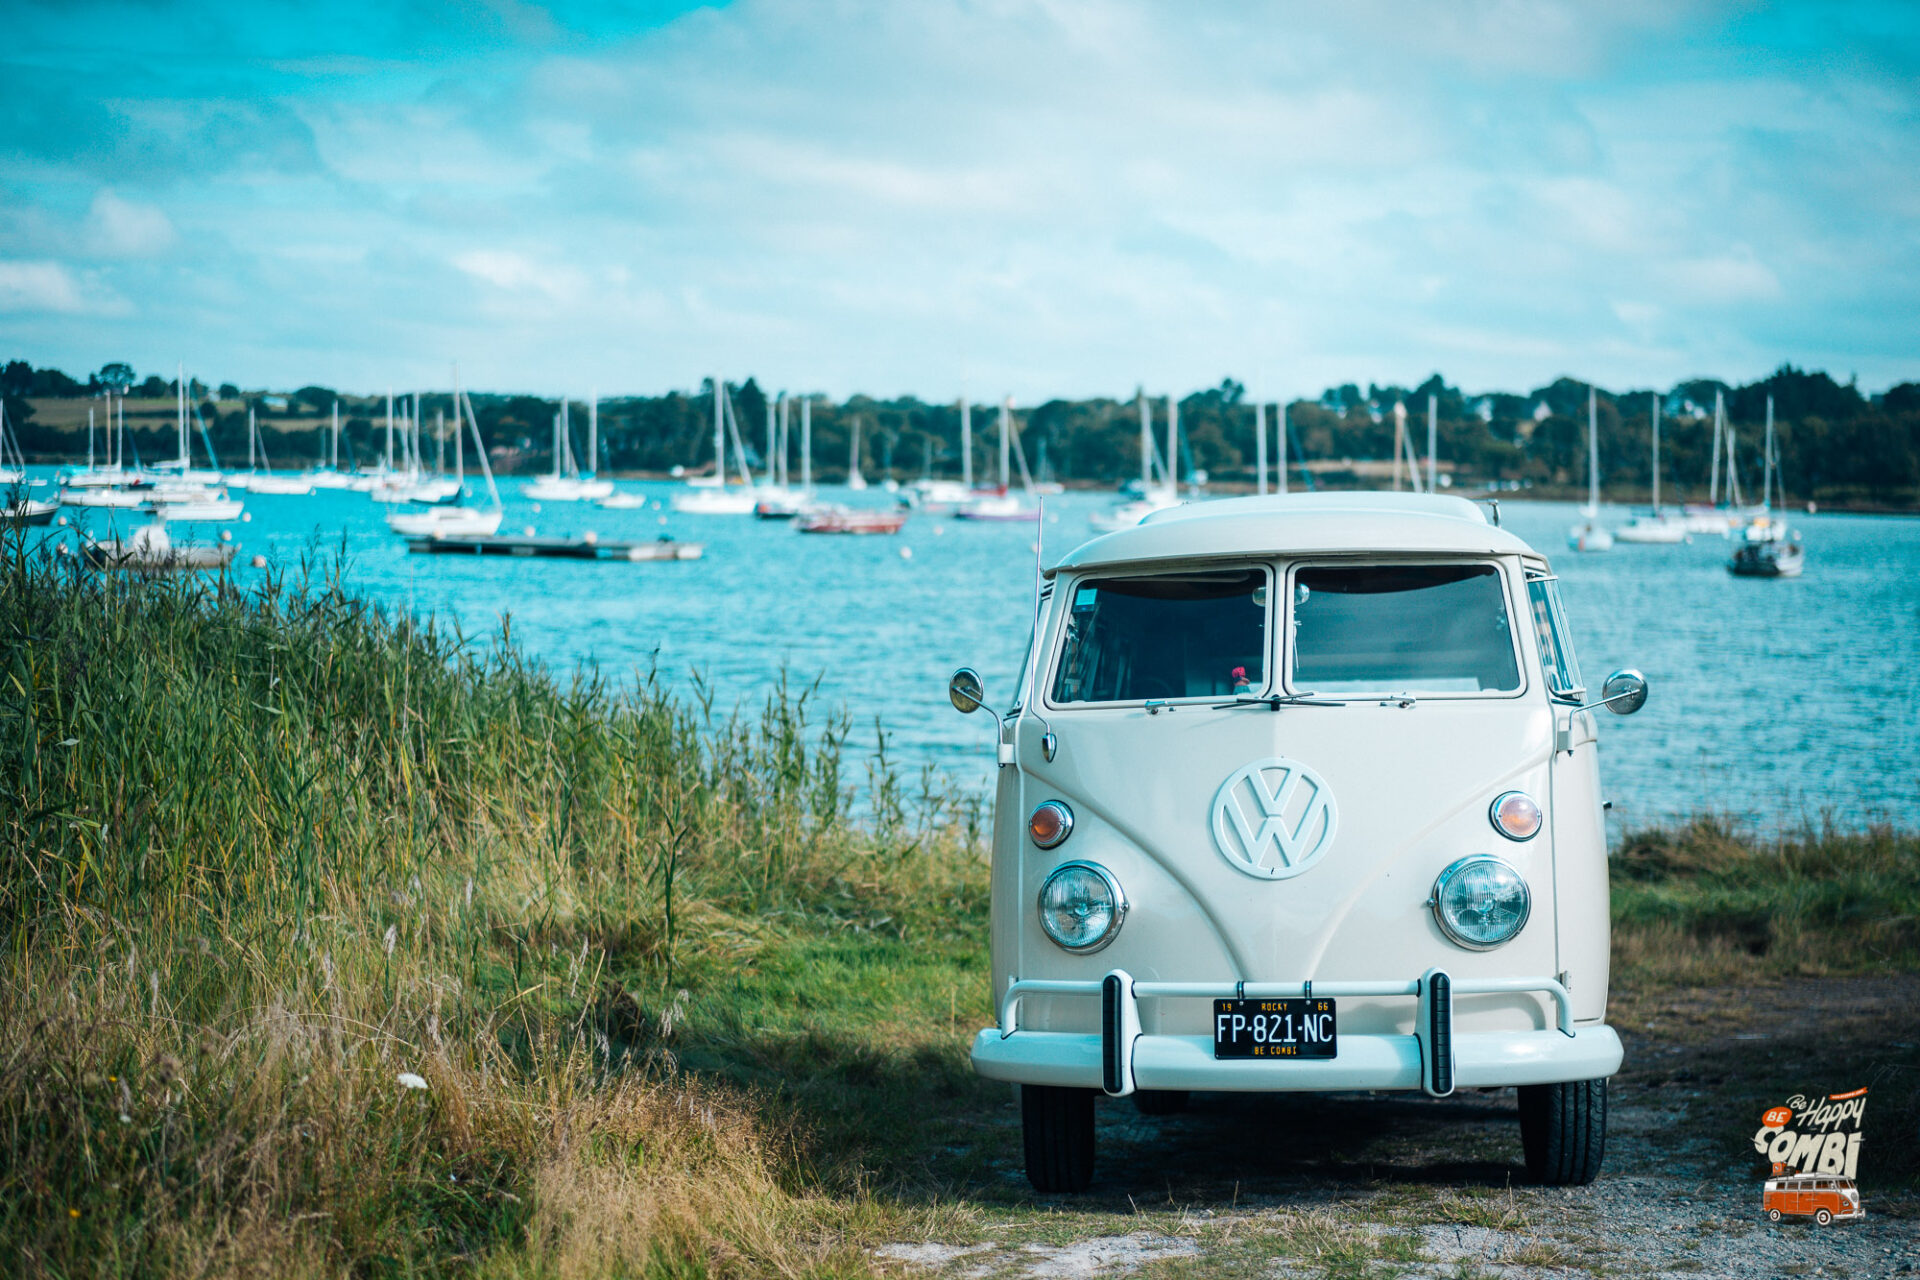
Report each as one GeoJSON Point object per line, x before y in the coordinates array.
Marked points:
{"type": "Point", "coordinates": [1302, 523]}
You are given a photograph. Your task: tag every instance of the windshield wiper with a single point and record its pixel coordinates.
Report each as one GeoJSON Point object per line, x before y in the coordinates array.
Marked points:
{"type": "Point", "coordinates": [1279, 700]}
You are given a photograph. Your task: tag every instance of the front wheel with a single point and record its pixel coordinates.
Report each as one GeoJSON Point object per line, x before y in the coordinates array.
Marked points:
{"type": "Point", "coordinates": [1563, 1130]}
{"type": "Point", "coordinates": [1773, 1215]}
{"type": "Point", "coordinates": [1823, 1217]}
{"type": "Point", "coordinates": [1058, 1126]}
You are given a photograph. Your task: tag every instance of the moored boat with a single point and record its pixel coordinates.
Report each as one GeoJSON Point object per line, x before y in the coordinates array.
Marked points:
{"type": "Point", "coordinates": [1783, 559]}
{"type": "Point", "coordinates": [851, 520]}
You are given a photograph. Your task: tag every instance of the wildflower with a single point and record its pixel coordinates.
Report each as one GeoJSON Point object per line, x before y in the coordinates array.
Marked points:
{"type": "Point", "coordinates": [73, 1213]}
{"type": "Point", "coordinates": [393, 932]}
{"type": "Point", "coordinates": [408, 1080]}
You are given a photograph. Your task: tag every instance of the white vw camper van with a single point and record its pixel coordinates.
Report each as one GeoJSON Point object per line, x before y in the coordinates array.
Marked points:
{"type": "Point", "coordinates": [1300, 793]}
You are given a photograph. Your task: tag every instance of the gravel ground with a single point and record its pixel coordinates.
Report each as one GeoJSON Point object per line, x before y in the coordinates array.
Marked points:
{"type": "Point", "coordinates": [1359, 1186]}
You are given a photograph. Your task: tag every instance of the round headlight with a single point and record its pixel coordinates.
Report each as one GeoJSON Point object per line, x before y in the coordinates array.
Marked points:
{"type": "Point", "coordinates": [1481, 902]}
{"type": "Point", "coordinates": [1050, 824]}
{"type": "Point", "coordinates": [1515, 815]}
{"type": "Point", "coordinates": [1081, 906]}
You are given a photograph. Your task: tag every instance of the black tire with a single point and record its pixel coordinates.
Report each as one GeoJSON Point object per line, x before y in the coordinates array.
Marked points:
{"type": "Point", "coordinates": [1058, 1126]}
{"type": "Point", "coordinates": [1160, 1102]}
{"type": "Point", "coordinates": [1563, 1130]}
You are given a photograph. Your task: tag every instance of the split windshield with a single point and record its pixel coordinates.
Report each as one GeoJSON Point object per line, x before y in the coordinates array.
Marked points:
{"type": "Point", "coordinates": [1437, 628]}
{"type": "Point", "coordinates": [1164, 636]}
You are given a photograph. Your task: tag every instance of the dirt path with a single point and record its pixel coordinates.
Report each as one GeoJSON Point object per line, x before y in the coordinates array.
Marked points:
{"type": "Point", "coordinates": [1349, 1185]}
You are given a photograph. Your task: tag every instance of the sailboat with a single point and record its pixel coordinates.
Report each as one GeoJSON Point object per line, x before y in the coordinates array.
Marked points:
{"type": "Point", "coordinates": [1768, 548]}
{"type": "Point", "coordinates": [1716, 516]}
{"type": "Point", "coordinates": [1656, 526]}
{"type": "Point", "coordinates": [1154, 497]}
{"type": "Point", "coordinates": [21, 510]}
{"type": "Point", "coordinates": [111, 486]}
{"type": "Point", "coordinates": [855, 481]}
{"type": "Point", "coordinates": [1591, 535]}
{"type": "Point", "coordinates": [254, 479]}
{"type": "Point", "coordinates": [709, 496]}
{"type": "Point", "coordinates": [461, 521]}
{"type": "Point", "coordinates": [331, 476]}
{"type": "Point", "coordinates": [942, 497]}
{"type": "Point", "coordinates": [179, 472]}
{"type": "Point", "coordinates": [1003, 505]}
{"type": "Point", "coordinates": [777, 501]}
{"type": "Point", "coordinates": [569, 482]}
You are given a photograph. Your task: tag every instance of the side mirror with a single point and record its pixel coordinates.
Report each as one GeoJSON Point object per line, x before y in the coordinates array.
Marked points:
{"type": "Point", "coordinates": [1625, 692]}
{"type": "Point", "coordinates": [966, 693]}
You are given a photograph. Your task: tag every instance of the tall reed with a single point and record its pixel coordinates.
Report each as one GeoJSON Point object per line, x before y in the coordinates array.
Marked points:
{"type": "Point", "coordinates": [264, 850]}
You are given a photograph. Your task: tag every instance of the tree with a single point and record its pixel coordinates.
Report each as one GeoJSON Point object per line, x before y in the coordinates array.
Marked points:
{"type": "Point", "coordinates": [16, 379]}
{"type": "Point", "coordinates": [229, 392]}
{"type": "Point", "coordinates": [118, 375]}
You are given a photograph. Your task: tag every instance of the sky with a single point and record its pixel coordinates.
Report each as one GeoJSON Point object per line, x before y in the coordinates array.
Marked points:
{"type": "Point", "coordinates": [946, 197]}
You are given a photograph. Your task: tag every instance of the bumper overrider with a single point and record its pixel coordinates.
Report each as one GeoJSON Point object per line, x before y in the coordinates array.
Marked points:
{"type": "Point", "coordinates": [1120, 1059]}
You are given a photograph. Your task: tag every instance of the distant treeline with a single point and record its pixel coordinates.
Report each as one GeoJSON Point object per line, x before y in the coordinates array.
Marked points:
{"type": "Point", "coordinates": [1836, 443]}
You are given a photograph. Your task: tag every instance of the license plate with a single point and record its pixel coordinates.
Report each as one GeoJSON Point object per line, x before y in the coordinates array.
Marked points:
{"type": "Point", "coordinates": [1273, 1028]}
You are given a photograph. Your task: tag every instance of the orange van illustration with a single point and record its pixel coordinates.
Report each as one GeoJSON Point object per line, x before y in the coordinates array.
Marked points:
{"type": "Point", "coordinates": [1811, 1196]}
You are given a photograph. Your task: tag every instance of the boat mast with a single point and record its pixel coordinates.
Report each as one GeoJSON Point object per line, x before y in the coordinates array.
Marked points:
{"type": "Point", "coordinates": [1593, 453]}
{"type": "Point", "coordinates": [480, 451]}
{"type": "Point", "coordinates": [966, 445]}
{"type": "Point", "coordinates": [1006, 445]}
{"type": "Point", "coordinates": [719, 436]}
{"type": "Point", "coordinates": [806, 444]}
{"type": "Point", "coordinates": [1280, 430]}
{"type": "Point", "coordinates": [389, 428]}
{"type": "Point", "coordinates": [593, 434]}
{"type": "Point", "coordinates": [773, 476]}
{"type": "Point", "coordinates": [459, 436]}
{"type": "Point", "coordinates": [1713, 488]}
{"type": "Point", "coordinates": [180, 407]}
{"type": "Point", "coordinates": [1260, 447]}
{"type": "Point", "coordinates": [336, 434]}
{"type": "Point", "coordinates": [1433, 441]}
{"type": "Point", "coordinates": [1656, 453]}
{"type": "Point", "coordinates": [1173, 444]}
{"type": "Point", "coordinates": [253, 435]}
{"type": "Point", "coordinates": [786, 423]}
{"type": "Point", "coordinates": [1146, 443]}
{"type": "Point", "coordinates": [1399, 439]}
{"type": "Point", "coordinates": [1766, 474]}
{"type": "Point", "coordinates": [90, 436]}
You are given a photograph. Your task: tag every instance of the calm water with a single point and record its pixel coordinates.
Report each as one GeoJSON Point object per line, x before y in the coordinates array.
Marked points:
{"type": "Point", "coordinates": [1772, 700]}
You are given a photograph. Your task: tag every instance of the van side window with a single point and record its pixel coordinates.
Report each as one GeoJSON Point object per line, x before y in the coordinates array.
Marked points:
{"type": "Point", "coordinates": [1173, 635]}
{"type": "Point", "coordinates": [1556, 641]}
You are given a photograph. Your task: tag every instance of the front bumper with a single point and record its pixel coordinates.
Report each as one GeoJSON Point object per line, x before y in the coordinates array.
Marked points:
{"type": "Point", "coordinates": [1434, 1059]}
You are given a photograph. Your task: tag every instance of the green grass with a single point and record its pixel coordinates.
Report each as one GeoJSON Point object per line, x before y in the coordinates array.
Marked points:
{"type": "Point", "coordinates": [1709, 901]}
{"type": "Point", "coordinates": [683, 1008]}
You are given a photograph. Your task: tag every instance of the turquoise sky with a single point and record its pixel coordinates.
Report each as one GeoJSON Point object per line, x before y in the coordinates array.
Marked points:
{"type": "Point", "coordinates": [1042, 198]}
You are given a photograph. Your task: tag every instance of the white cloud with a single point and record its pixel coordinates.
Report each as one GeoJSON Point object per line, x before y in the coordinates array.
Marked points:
{"type": "Point", "coordinates": [119, 228]}
{"type": "Point", "coordinates": [50, 287]}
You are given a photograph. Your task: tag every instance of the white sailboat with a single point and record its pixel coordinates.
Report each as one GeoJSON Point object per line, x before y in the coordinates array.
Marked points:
{"type": "Point", "coordinates": [1591, 535]}
{"type": "Point", "coordinates": [456, 521]}
{"type": "Point", "coordinates": [1003, 504]}
{"type": "Point", "coordinates": [1155, 496]}
{"type": "Point", "coordinates": [568, 482]}
{"type": "Point", "coordinates": [712, 497]}
{"type": "Point", "coordinates": [180, 470]}
{"type": "Point", "coordinates": [255, 480]}
{"type": "Point", "coordinates": [1656, 526]}
{"type": "Point", "coordinates": [331, 476]}
{"type": "Point", "coordinates": [855, 481]}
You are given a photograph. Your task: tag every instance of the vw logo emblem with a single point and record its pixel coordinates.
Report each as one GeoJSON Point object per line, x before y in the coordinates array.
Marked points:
{"type": "Point", "coordinates": [1274, 818]}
